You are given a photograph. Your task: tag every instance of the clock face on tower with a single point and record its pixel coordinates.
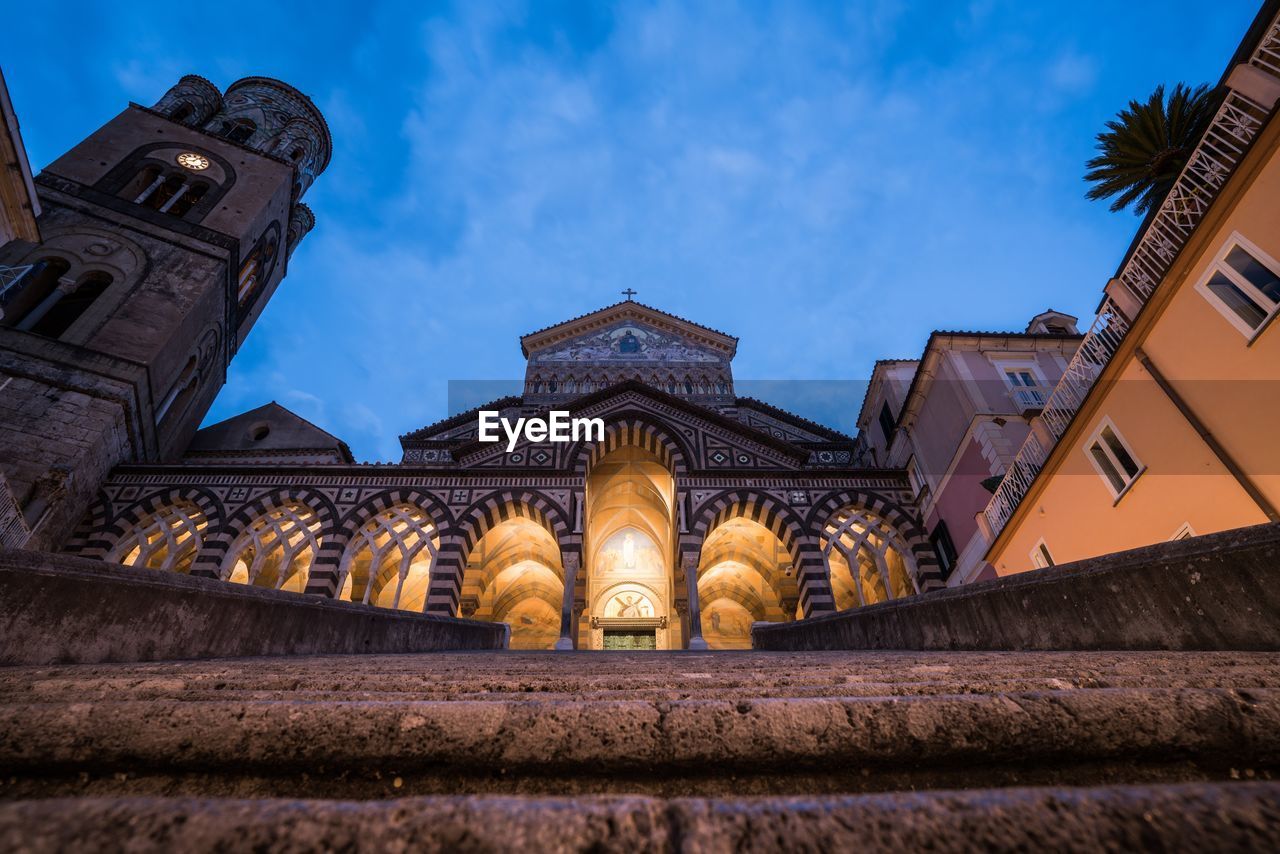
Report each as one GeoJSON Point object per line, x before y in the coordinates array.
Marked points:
{"type": "Point", "coordinates": [191, 160]}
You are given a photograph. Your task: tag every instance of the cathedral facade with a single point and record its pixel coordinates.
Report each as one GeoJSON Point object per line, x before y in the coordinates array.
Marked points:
{"type": "Point", "coordinates": [164, 234]}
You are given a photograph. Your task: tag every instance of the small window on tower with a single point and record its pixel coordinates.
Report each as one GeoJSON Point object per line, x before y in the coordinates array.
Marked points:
{"type": "Point", "coordinates": [238, 130]}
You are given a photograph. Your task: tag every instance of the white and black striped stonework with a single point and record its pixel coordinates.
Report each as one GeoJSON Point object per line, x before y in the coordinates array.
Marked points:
{"type": "Point", "coordinates": [100, 535]}
{"type": "Point", "coordinates": [811, 573]}
{"type": "Point", "coordinates": [326, 568]}
{"type": "Point", "coordinates": [208, 562]}
{"type": "Point", "coordinates": [640, 433]}
{"type": "Point", "coordinates": [928, 572]}
{"type": "Point", "coordinates": [477, 520]}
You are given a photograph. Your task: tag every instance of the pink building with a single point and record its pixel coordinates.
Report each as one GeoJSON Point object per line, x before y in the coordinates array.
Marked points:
{"type": "Point", "coordinates": [955, 417]}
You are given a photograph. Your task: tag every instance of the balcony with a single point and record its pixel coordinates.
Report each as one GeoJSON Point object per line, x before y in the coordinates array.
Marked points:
{"type": "Point", "coordinates": [1223, 146]}
{"type": "Point", "coordinates": [1026, 399]}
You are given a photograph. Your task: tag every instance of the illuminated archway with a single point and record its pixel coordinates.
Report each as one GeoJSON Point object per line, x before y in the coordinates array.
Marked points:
{"type": "Point", "coordinates": [514, 575]}
{"type": "Point", "coordinates": [276, 549]}
{"type": "Point", "coordinates": [167, 539]}
{"type": "Point", "coordinates": [744, 575]}
{"type": "Point", "coordinates": [867, 559]}
{"type": "Point", "coordinates": [389, 560]}
{"type": "Point", "coordinates": [629, 540]}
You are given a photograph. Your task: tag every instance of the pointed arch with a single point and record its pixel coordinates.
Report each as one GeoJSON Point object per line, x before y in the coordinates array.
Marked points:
{"type": "Point", "coordinates": [927, 573]}
{"type": "Point", "coordinates": [483, 514]}
{"type": "Point", "coordinates": [109, 534]}
{"type": "Point", "coordinates": [777, 517]}
{"type": "Point", "coordinates": [640, 430]}
{"type": "Point", "coordinates": [218, 543]}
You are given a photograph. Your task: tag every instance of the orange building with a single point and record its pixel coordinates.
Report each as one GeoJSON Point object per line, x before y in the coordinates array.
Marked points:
{"type": "Point", "coordinates": [1165, 423]}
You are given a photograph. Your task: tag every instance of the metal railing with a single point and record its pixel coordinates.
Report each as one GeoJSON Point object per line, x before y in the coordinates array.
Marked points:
{"type": "Point", "coordinates": [1220, 150]}
{"type": "Point", "coordinates": [1029, 398]}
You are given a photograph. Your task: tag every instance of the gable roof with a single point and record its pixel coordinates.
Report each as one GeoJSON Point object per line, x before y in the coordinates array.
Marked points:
{"type": "Point", "coordinates": [284, 431]}
{"type": "Point", "coordinates": [627, 310]}
{"type": "Point", "coordinates": [790, 417]}
{"type": "Point", "coordinates": [424, 433]}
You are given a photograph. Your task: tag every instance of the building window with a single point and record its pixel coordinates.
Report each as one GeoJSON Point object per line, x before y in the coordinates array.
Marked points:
{"type": "Point", "coordinates": [57, 313]}
{"type": "Point", "coordinates": [913, 476]}
{"type": "Point", "coordinates": [1040, 556]}
{"type": "Point", "coordinates": [1026, 386]}
{"type": "Point", "coordinates": [1243, 284]}
{"type": "Point", "coordinates": [238, 131]}
{"type": "Point", "coordinates": [887, 423]}
{"type": "Point", "coordinates": [945, 549]}
{"type": "Point", "coordinates": [1115, 463]}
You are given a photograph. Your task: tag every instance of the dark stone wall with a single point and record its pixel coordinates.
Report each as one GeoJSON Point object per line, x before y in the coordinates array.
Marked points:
{"type": "Point", "coordinates": [62, 609]}
{"type": "Point", "coordinates": [1217, 592]}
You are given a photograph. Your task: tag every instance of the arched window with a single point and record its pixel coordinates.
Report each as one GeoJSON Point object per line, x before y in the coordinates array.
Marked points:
{"type": "Point", "coordinates": [146, 182]}
{"type": "Point", "coordinates": [276, 550]}
{"type": "Point", "coordinates": [183, 113]}
{"type": "Point", "coordinates": [258, 266]}
{"type": "Point", "coordinates": [536, 386]}
{"type": "Point", "coordinates": [296, 154]}
{"type": "Point", "coordinates": [37, 286]}
{"type": "Point", "coordinates": [180, 393]}
{"type": "Point", "coordinates": [551, 386]}
{"type": "Point", "coordinates": [688, 386]}
{"type": "Point", "coordinates": [722, 387]}
{"type": "Point", "coordinates": [570, 385]}
{"type": "Point", "coordinates": [237, 130]}
{"type": "Point", "coordinates": [388, 563]}
{"type": "Point", "coordinates": [167, 540]}
{"type": "Point", "coordinates": [186, 201]}
{"type": "Point", "coordinates": [59, 314]}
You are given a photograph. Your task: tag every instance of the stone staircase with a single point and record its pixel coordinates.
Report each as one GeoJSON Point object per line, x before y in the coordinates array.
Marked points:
{"type": "Point", "coordinates": [646, 751]}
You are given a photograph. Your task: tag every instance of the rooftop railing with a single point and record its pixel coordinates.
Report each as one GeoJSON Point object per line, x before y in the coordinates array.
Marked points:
{"type": "Point", "coordinates": [1220, 150]}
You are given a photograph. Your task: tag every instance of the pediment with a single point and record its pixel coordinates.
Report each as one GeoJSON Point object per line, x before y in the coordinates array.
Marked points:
{"type": "Point", "coordinates": [650, 327]}
{"type": "Point", "coordinates": [628, 341]}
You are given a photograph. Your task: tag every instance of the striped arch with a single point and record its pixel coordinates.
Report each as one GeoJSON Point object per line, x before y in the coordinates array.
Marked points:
{"type": "Point", "coordinates": [87, 540]}
{"type": "Point", "coordinates": [725, 590]}
{"type": "Point", "coordinates": [786, 525]}
{"type": "Point", "coordinates": [326, 570]}
{"type": "Point", "coordinates": [106, 536]}
{"type": "Point", "coordinates": [483, 515]}
{"type": "Point", "coordinates": [928, 573]}
{"type": "Point", "coordinates": [209, 561]}
{"type": "Point", "coordinates": [638, 430]}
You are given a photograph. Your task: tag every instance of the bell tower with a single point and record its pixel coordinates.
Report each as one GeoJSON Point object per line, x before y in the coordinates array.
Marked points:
{"type": "Point", "coordinates": [163, 236]}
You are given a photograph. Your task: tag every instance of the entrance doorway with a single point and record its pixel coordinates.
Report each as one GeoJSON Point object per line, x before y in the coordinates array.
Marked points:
{"type": "Point", "coordinates": [630, 639]}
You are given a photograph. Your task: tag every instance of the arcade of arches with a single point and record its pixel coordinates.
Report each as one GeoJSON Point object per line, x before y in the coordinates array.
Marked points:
{"type": "Point", "coordinates": [697, 514]}
{"type": "Point", "coordinates": [628, 595]}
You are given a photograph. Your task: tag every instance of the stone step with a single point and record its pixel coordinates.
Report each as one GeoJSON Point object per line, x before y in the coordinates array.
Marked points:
{"type": "Point", "coordinates": [1204, 817]}
{"type": "Point", "coordinates": [690, 724]}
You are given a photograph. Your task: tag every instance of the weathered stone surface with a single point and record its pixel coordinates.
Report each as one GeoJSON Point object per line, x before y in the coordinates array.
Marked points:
{"type": "Point", "coordinates": [1220, 591]}
{"type": "Point", "coordinates": [56, 608]}
{"type": "Point", "coordinates": [671, 724]}
{"type": "Point", "coordinates": [1207, 817]}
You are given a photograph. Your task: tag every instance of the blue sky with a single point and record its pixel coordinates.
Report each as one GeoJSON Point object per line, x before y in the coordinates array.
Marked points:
{"type": "Point", "coordinates": [828, 182]}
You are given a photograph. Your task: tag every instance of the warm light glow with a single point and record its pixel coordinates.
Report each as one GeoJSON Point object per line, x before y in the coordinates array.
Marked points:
{"type": "Point", "coordinates": [191, 160]}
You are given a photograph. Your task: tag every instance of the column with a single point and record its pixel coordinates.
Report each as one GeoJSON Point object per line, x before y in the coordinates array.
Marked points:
{"type": "Point", "coordinates": [65, 286]}
{"type": "Point", "coordinates": [689, 563]}
{"type": "Point", "coordinates": [567, 617]}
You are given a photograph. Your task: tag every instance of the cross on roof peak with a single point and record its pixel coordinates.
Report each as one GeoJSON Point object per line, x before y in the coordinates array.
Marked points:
{"type": "Point", "coordinates": [629, 293]}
